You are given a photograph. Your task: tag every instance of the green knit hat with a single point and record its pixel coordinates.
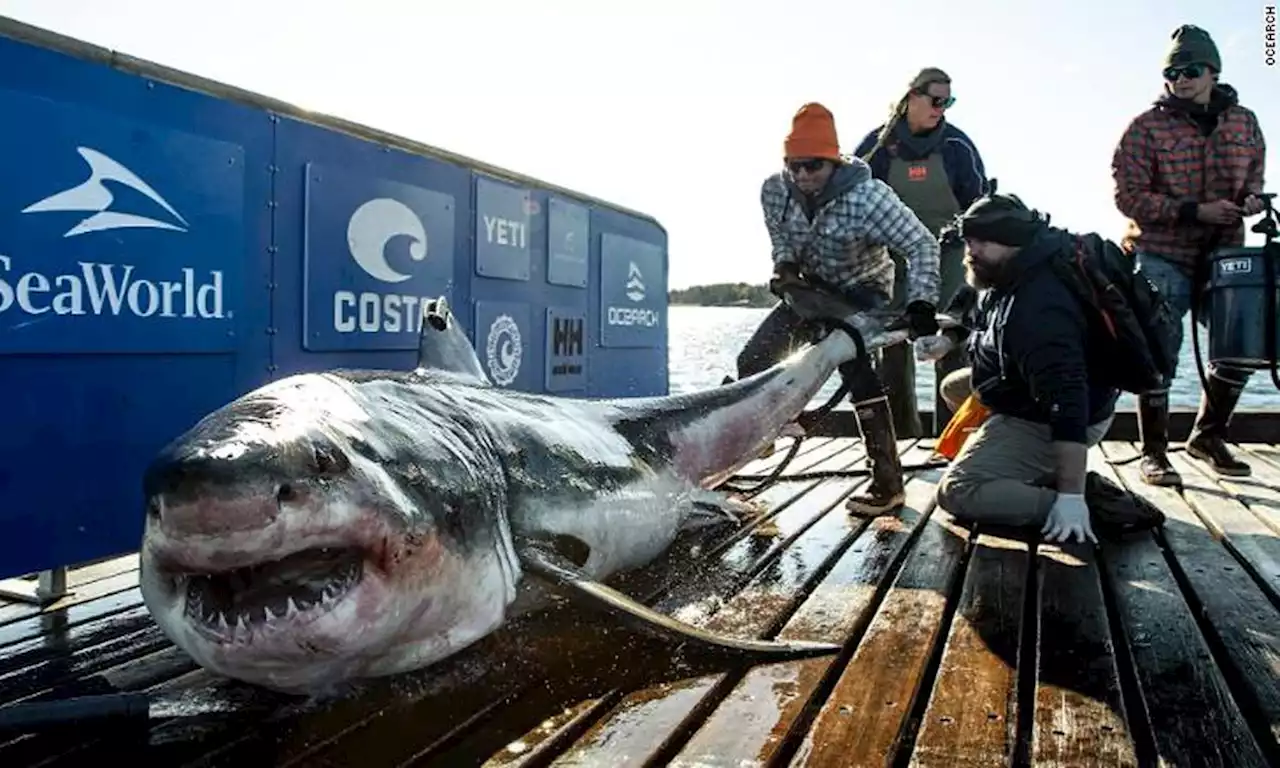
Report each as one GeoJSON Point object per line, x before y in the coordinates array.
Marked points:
{"type": "Point", "coordinates": [1192, 45]}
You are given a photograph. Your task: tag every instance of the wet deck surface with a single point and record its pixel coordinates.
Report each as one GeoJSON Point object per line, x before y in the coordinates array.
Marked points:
{"type": "Point", "coordinates": [961, 648]}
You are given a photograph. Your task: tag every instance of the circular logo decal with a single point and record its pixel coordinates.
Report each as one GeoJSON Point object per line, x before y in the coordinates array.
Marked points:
{"type": "Point", "coordinates": [503, 350]}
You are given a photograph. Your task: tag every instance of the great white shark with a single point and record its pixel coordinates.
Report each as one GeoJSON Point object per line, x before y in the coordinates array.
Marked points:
{"type": "Point", "coordinates": [348, 524]}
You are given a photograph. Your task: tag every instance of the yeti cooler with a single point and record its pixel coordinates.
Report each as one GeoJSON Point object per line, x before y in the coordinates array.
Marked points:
{"type": "Point", "coordinates": [1239, 310]}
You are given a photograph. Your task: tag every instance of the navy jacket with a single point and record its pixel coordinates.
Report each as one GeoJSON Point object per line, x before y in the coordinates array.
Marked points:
{"type": "Point", "coordinates": [965, 170]}
{"type": "Point", "coordinates": [1030, 347]}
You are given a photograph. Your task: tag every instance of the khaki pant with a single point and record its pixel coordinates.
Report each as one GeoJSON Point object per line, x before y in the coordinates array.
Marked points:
{"type": "Point", "coordinates": [997, 478]}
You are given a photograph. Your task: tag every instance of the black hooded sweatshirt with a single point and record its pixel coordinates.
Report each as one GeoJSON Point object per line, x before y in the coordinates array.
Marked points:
{"type": "Point", "coordinates": [1030, 347]}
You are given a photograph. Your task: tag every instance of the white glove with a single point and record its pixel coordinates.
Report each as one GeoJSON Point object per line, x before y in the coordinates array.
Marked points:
{"type": "Point", "coordinates": [1068, 516]}
{"type": "Point", "coordinates": [931, 349]}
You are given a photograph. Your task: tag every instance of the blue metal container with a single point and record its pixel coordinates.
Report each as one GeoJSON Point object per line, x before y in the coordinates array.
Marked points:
{"type": "Point", "coordinates": [168, 243]}
{"type": "Point", "coordinates": [1239, 310]}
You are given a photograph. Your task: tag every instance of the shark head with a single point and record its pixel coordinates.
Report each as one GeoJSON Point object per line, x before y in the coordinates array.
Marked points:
{"type": "Point", "coordinates": [293, 540]}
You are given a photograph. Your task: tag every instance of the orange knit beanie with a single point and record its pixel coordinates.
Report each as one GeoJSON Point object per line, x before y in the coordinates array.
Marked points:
{"type": "Point", "coordinates": [813, 134]}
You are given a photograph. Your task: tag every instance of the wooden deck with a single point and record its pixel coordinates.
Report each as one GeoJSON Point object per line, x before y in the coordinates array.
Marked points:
{"type": "Point", "coordinates": [961, 648]}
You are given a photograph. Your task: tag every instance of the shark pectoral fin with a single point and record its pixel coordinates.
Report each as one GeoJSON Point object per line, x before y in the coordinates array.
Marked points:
{"type": "Point", "coordinates": [541, 559]}
{"type": "Point", "coordinates": [712, 507]}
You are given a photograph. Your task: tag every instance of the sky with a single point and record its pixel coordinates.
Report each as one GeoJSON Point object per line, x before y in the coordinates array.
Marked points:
{"type": "Point", "coordinates": [678, 108]}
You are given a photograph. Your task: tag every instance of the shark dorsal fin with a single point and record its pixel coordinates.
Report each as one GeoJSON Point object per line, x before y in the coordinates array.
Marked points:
{"type": "Point", "coordinates": [443, 344]}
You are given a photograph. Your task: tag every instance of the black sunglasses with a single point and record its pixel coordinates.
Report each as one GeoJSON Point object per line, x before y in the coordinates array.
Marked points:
{"type": "Point", "coordinates": [812, 165]}
{"type": "Point", "coordinates": [939, 102]}
{"type": "Point", "coordinates": [1190, 71]}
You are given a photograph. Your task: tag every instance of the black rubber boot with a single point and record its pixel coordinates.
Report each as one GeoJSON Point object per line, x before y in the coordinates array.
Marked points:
{"type": "Point", "coordinates": [1113, 511]}
{"type": "Point", "coordinates": [1207, 441]}
{"type": "Point", "coordinates": [886, 492]}
{"type": "Point", "coordinates": [1153, 428]}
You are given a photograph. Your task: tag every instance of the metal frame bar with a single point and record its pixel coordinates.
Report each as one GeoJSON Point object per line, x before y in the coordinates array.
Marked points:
{"type": "Point", "coordinates": [48, 587]}
{"type": "Point", "coordinates": [27, 33]}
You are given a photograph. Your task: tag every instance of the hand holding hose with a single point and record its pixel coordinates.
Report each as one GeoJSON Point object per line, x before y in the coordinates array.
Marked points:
{"type": "Point", "coordinates": [784, 276]}
{"type": "Point", "coordinates": [921, 319]}
{"type": "Point", "coordinates": [1220, 212]}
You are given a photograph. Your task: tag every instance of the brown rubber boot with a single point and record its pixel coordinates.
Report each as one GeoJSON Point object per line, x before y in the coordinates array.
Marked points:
{"type": "Point", "coordinates": [1207, 441]}
{"type": "Point", "coordinates": [886, 492]}
{"type": "Point", "coordinates": [1153, 429]}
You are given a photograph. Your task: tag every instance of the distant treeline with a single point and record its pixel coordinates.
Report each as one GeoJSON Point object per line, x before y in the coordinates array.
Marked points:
{"type": "Point", "coordinates": [724, 295]}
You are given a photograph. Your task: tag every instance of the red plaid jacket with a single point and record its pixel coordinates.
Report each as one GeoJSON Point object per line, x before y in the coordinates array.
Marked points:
{"type": "Point", "coordinates": [1163, 161]}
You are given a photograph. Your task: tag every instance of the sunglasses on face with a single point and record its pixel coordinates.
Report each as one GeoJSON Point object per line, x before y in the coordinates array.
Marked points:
{"type": "Point", "coordinates": [1191, 72]}
{"type": "Point", "coordinates": [812, 165]}
{"type": "Point", "coordinates": [939, 102]}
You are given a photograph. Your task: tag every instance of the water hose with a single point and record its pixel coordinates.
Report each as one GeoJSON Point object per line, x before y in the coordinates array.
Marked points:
{"type": "Point", "coordinates": [1269, 228]}
{"type": "Point", "coordinates": [126, 708]}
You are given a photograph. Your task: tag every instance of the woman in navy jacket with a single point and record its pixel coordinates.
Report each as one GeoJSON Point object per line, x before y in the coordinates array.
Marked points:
{"type": "Point", "coordinates": [937, 171]}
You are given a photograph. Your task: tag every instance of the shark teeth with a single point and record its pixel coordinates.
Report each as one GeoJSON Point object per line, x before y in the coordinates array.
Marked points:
{"type": "Point", "coordinates": [237, 602]}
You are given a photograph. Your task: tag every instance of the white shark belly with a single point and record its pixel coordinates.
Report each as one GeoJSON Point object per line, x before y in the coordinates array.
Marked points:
{"type": "Point", "coordinates": [622, 529]}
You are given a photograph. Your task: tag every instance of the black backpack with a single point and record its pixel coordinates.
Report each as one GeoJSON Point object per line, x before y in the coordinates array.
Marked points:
{"type": "Point", "coordinates": [1131, 314]}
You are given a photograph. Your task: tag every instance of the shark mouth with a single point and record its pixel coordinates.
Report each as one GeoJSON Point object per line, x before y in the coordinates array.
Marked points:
{"type": "Point", "coordinates": [297, 589]}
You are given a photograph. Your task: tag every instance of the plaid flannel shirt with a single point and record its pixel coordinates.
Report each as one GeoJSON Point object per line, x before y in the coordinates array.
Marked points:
{"type": "Point", "coordinates": [1163, 165]}
{"type": "Point", "coordinates": [847, 243]}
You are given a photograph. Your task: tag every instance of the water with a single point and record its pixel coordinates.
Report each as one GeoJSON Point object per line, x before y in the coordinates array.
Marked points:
{"type": "Point", "coordinates": [704, 342]}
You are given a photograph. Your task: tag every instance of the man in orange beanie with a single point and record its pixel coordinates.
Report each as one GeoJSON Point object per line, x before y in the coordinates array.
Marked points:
{"type": "Point", "coordinates": [832, 225]}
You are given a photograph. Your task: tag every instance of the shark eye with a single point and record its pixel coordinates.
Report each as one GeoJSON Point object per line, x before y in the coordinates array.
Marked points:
{"type": "Point", "coordinates": [286, 494]}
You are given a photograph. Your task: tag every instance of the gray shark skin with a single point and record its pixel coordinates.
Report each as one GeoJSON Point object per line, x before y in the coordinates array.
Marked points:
{"type": "Point", "coordinates": [348, 524]}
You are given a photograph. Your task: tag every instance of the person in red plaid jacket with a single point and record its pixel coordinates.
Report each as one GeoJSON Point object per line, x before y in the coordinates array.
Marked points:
{"type": "Point", "coordinates": [1187, 172]}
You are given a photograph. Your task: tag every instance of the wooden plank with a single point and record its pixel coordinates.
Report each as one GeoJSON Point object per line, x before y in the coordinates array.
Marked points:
{"type": "Point", "coordinates": [62, 642]}
{"type": "Point", "coordinates": [427, 705]}
{"type": "Point", "coordinates": [748, 483]}
{"type": "Point", "coordinates": [774, 699]}
{"type": "Point", "coordinates": [49, 628]}
{"type": "Point", "coordinates": [1248, 425]}
{"type": "Point", "coordinates": [840, 605]}
{"type": "Point", "coordinates": [838, 449]}
{"type": "Point", "coordinates": [691, 600]}
{"type": "Point", "coordinates": [1079, 711]}
{"type": "Point", "coordinates": [971, 717]}
{"type": "Point", "coordinates": [63, 670]}
{"type": "Point", "coordinates": [1219, 506]}
{"type": "Point", "coordinates": [699, 569]}
{"type": "Point", "coordinates": [1236, 612]}
{"type": "Point", "coordinates": [644, 721]}
{"type": "Point", "coordinates": [1268, 469]}
{"type": "Point", "coordinates": [1183, 693]}
{"type": "Point", "coordinates": [63, 748]}
{"type": "Point", "coordinates": [1260, 491]}
{"type": "Point", "coordinates": [101, 583]}
{"type": "Point", "coordinates": [674, 703]}
{"type": "Point", "coordinates": [808, 448]}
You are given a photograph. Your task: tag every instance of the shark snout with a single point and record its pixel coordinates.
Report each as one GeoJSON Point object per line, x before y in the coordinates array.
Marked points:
{"type": "Point", "coordinates": [206, 495]}
{"type": "Point", "coordinates": [210, 515]}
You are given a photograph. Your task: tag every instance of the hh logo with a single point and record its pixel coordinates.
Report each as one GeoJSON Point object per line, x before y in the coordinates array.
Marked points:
{"type": "Point", "coordinates": [917, 172]}
{"type": "Point", "coordinates": [566, 337]}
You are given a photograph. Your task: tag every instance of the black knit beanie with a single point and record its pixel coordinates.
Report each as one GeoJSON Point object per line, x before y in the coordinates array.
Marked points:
{"type": "Point", "coordinates": [1000, 219]}
{"type": "Point", "coordinates": [1192, 45]}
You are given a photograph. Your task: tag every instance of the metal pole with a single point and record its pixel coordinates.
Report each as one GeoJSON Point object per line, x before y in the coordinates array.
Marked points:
{"type": "Point", "coordinates": [48, 586]}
